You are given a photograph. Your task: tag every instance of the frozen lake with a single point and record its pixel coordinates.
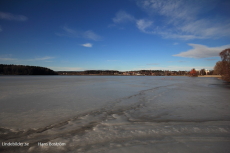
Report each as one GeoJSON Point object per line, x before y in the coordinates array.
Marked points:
{"type": "Point", "coordinates": [114, 114]}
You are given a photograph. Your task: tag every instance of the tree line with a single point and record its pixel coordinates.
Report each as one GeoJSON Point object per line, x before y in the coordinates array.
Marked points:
{"type": "Point", "coordinates": [115, 72]}
{"type": "Point", "coordinates": [25, 70]}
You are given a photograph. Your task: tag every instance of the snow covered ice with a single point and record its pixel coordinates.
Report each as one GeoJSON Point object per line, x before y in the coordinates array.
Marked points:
{"type": "Point", "coordinates": [113, 114]}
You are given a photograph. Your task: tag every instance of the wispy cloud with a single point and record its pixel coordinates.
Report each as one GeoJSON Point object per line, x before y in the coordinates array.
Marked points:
{"type": "Point", "coordinates": [42, 58]}
{"type": "Point", "coordinates": [0, 28]}
{"type": "Point", "coordinates": [170, 34]}
{"type": "Point", "coordinates": [175, 9]}
{"type": "Point", "coordinates": [91, 35]}
{"type": "Point", "coordinates": [69, 32]}
{"type": "Point", "coordinates": [122, 16]}
{"type": "Point", "coordinates": [147, 26]}
{"type": "Point", "coordinates": [87, 45]}
{"type": "Point", "coordinates": [202, 51]}
{"type": "Point", "coordinates": [7, 59]}
{"type": "Point", "coordinates": [179, 19]}
{"type": "Point", "coordinates": [12, 17]}
{"type": "Point", "coordinates": [184, 19]}
{"type": "Point", "coordinates": [143, 24]}
{"type": "Point", "coordinates": [175, 43]}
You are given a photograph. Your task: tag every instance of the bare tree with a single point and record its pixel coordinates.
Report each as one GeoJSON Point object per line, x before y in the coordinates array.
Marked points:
{"type": "Point", "coordinates": [225, 55]}
{"type": "Point", "coordinates": [202, 72]}
{"type": "Point", "coordinates": [225, 71]}
{"type": "Point", "coordinates": [218, 68]}
{"type": "Point", "coordinates": [211, 72]}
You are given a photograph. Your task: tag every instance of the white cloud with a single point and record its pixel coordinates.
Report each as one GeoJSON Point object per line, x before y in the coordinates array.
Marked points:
{"type": "Point", "coordinates": [12, 17]}
{"type": "Point", "coordinates": [143, 24]}
{"type": "Point", "coordinates": [69, 32]}
{"type": "Point", "coordinates": [202, 51]}
{"type": "Point", "coordinates": [87, 45]}
{"type": "Point", "coordinates": [180, 19]}
{"type": "Point", "coordinates": [122, 17]}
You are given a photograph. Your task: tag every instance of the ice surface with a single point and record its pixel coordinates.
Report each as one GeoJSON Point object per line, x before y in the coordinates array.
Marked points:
{"type": "Point", "coordinates": [115, 113]}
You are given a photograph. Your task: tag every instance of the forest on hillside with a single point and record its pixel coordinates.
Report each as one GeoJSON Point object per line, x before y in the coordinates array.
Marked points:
{"type": "Point", "coordinates": [25, 70]}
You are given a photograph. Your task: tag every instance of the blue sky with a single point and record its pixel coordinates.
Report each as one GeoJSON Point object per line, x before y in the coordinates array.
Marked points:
{"type": "Point", "coordinates": [114, 34]}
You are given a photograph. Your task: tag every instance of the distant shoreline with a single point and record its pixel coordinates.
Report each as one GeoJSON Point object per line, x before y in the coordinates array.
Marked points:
{"type": "Point", "coordinates": [206, 76]}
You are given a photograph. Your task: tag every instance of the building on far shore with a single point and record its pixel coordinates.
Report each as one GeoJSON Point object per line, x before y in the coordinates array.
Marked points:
{"type": "Point", "coordinates": [207, 71]}
{"type": "Point", "coordinates": [199, 72]}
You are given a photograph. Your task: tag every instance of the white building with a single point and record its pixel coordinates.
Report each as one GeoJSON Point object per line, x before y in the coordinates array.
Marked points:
{"type": "Point", "coordinates": [206, 71]}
